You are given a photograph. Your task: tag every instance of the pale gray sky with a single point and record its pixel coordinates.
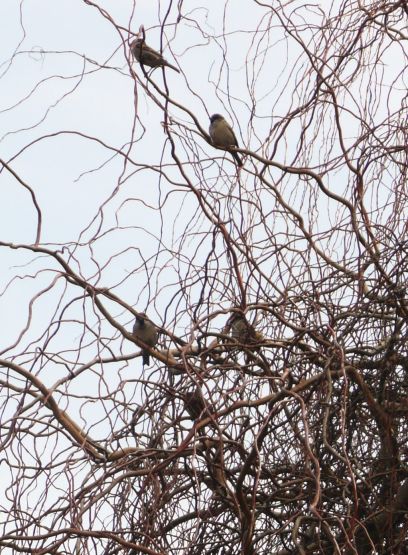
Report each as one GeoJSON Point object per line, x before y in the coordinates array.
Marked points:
{"type": "Point", "coordinates": [85, 136]}
{"type": "Point", "coordinates": [64, 72]}
{"type": "Point", "coordinates": [49, 88]}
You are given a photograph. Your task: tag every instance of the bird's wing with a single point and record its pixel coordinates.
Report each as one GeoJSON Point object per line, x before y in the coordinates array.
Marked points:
{"type": "Point", "coordinates": [234, 138]}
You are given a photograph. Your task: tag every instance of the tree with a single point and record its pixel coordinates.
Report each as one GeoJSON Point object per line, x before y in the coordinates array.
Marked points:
{"type": "Point", "coordinates": [286, 436]}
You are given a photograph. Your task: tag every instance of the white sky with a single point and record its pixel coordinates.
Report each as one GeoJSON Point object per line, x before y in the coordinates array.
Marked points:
{"type": "Point", "coordinates": [50, 85]}
{"type": "Point", "coordinates": [44, 92]}
{"type": "Point", "coordinates": [64, 71]}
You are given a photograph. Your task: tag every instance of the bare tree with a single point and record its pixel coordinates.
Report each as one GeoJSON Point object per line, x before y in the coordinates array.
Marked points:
{"type": "Point", "coordinates": [273, 417]}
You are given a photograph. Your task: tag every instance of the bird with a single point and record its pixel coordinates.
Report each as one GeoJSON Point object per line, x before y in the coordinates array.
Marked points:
{"type": "Point", "coordinates": [195, 405]}
{"type": "Point", "coordinates": [146, 56]}
{"type": "Point", "coordinates": [245, 334]}
{"type": "Point", "coordinates": [146, 331]}
{"type": "Point", "coordinates": [222, 135]}
{"type": "Point", "coordinates": [242, 331]}
{"type": "Point", "coordinates": [240, 328]}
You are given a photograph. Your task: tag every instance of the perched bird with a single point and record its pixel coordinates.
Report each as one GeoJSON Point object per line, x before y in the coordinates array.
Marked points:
{"type": "Point", "coordinates": [222, 134]}
{"type": "Point", "coordinates": [195, 405]}
{"type": "Point", "coordinates": [146, 331]}
{"type": "Point", "coordinates": [242, 331]}
{"type": "Point", "coordinates": [240, 328]}
{"type": "Point", "coordinates": [147, 56]}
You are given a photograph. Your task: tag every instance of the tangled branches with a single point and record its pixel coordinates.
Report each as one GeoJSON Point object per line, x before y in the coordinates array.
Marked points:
{"type": "Point", "coordinates": [272, 419]}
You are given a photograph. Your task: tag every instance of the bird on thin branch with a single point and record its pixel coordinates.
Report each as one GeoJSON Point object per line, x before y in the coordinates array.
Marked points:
{"type": "Point", "coordinates": [146, 331]}
{"type": "Point", "coordinates": [147, 56]}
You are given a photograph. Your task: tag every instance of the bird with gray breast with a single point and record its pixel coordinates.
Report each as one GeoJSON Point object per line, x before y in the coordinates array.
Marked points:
{"type": "Point", "coordinates": [222, 135]}
{"type": "Point", "coordinates": [146, 331]}
{"type": "Point", "coordinates": [146, 56]}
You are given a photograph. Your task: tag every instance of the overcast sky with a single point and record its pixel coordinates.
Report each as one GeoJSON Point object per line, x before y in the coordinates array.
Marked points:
{"type": "Point", "coordinates": [71, 113]}
{"type": "Point", "coordinates": [65, 71]}
{"type": "Point", "coordinates": [83, 134]}
{"type": "Point", "coordinates": [78, 128]}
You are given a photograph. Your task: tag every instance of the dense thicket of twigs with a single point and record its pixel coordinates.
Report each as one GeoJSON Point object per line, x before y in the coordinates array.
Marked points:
{"type": "Point", "coordinates": [291, 441]}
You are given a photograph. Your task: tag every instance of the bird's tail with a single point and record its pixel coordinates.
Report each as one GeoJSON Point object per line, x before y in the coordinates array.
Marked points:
{"type": "Point", "coordinates": [172, 67]}
{"type": "Point", "coordinates": [237, 159]}
{"type": "Point", "coordinates": [146, 358]}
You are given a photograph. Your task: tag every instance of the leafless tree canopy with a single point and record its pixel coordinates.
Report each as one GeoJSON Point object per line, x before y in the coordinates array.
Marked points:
{"type": "Point", "coordinates": [287, 437]}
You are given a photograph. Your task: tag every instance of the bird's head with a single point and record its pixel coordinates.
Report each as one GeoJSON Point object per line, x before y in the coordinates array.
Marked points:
{"type": "Point", "coordinates": [236, 315]}
{"type": "Point", "coordinates": [136, 43]}
{"type": "Point", "coordinates": [216, 117]}
{"type": "Point", "coordinates": [141, 318]}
